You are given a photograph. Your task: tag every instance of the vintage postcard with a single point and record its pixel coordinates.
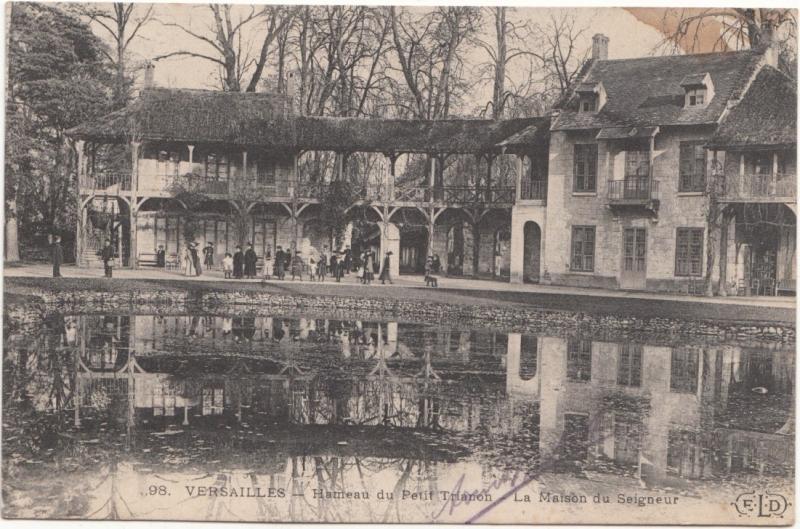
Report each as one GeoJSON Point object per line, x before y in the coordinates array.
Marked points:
{"type": "Point", "coordinates": [399, 264]}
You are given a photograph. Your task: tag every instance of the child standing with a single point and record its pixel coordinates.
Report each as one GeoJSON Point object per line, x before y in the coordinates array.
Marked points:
{"type": "Point", "coordinates": [227, 265]}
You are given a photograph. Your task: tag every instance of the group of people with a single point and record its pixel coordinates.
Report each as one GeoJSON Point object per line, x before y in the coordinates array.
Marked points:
{"type": "Point", "coordinates": [242, 264]}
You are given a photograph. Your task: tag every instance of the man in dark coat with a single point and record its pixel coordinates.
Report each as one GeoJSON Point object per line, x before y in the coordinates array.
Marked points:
{"type": "Point", "coordinates": [335, 267]}
{"type": "Point", "coordinates": [208, 255]}
{"type": "Point", "coordinates": [58, 256]}
{"type": "Point", "coordinates": [107, 255]}
{"type": "Point", "coordinates": [348, 260]}
{"type": "Point", "coordinates": [161, 257]}
{"type": "Point", "coordinates": [280, 263]}
{"type": "Point", "coordinates": [238, 263]}
{"type": "Point", "coordinates": [250, 260]}
{"type": "Point", "coordinates": [386, 273]}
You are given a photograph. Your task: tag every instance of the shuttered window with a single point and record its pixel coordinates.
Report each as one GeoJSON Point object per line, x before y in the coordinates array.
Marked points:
{"type": "Point", "coordinates": [585, 167]}
{"type": "Point", "coordinates": [689, 252]}
{"type": "Point", "coordinates": [692, 176]}
{"type": "Point", "coordinates": [582, 249]}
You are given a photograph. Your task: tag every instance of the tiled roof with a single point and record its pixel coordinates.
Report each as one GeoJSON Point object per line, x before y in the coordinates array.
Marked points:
{"type": "Point", "coordinates": [648, 92]}
{"type": "Point", "coordinates": [766, 115]}
{"type": "Point", "coordinates": [260, 119]}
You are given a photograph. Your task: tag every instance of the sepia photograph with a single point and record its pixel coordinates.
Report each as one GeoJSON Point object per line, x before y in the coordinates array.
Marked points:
{"type": "Point", "coordinates": [433, 263]}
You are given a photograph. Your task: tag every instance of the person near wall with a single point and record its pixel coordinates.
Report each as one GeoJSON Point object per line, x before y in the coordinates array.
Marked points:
{"type": "Point", "coordinates": [250, 260]}
{"type": "Point", "coordinates": [208, 255]}
{"type": "Point", "coordinates": [386, 273]}
{"type": "Point", "coordinates": [297, 266]}
{"type": "Point", "coordinates": [267, 268]}
{"type": "Point", "coordinates": [107, 256]}
{"type": "Point", "coordinates": [369, 267]}
{"type": "Point", "coordinates": [58, 256]}
{"type": "Point", "coordinates": [188, 261]}
{"type": "Point", "coordinates": [238, 263]}
{"type": "Point", "coordinates": [430, 278]}
{"type": "Point", "coordinates": [280, 262]}
{"type": "Point", "coordinates": [437, 264]}
{"type": "Point", "coordinates": [335, 267]}
{"type": "Point", "coordinates": [348, 260]}
{"type": "Point", "coordinates": [322, 264]}
{"type": "Point", "coordinates": [227, 265]}
{"type": "Point", "coordinates": [195, 257]}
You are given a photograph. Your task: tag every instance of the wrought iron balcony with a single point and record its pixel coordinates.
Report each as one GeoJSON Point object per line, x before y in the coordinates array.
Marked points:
{"type": "Point", "coordinates": [634, 192]}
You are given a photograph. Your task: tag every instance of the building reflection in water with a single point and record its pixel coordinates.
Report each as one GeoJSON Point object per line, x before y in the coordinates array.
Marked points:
{"type": "Point", "coordinates": [660, 415]}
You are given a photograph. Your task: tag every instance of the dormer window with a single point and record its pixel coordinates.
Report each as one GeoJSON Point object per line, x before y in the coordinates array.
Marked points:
{"type": "Point", "coordinates": [699, 90]}
{"type": "Point", "coordinates": [591, 96]}
{"type": "Point", "coordinates": [696, 97]}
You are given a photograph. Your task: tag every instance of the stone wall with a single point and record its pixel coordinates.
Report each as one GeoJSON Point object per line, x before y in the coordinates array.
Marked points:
{"type": "Point", "coordinates": [512, 319]}
{"type": "Point", "coordinates": [566, 209]}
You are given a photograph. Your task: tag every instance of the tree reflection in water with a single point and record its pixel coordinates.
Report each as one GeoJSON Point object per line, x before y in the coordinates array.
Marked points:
{"type": "Point", "coordinates": [98, 408]}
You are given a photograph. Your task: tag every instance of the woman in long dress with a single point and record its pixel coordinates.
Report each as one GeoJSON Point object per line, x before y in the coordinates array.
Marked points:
{"type": "Point", "coordinates": [369, 265]}
{"type": "Point", "coordinates": [188, 262]}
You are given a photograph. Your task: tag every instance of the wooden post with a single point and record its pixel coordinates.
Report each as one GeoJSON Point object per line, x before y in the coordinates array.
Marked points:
{"type": "Point", "coordinates": [431, 225]}
{"type": "Point", "coordinates": [773, 183]}
{"type": "Point", "coordinates": [135, 145]}
{"type": "Point", "coordinates": [431, 176]}
{"type": "Point", "coordinates": [81, 227]}
{"type": "Point", "coordinates": [489, 161]}
{"type": "Point", "coordinates": [520, 168]}
{"type": "Point", "coordinates": [650, 166]}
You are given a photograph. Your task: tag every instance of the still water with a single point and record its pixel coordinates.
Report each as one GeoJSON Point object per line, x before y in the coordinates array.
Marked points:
{"type": "Point", "coordinates": [260, 418]}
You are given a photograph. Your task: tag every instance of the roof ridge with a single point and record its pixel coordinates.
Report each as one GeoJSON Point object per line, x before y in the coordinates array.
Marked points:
{"type": "Point", "coordinates": [676, 56]}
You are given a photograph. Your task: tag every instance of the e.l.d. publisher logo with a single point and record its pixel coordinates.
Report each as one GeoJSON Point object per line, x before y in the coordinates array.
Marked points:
{"type": "Point", "coordinates": [761, 505]}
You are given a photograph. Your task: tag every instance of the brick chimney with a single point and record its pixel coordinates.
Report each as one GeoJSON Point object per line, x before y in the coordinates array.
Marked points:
{"type": "Point", "coordinates": [599, 47]}
{"type": "Point", "coordinates": [766, 43]}
{"type": "Point", "coordinates": [149, 73]}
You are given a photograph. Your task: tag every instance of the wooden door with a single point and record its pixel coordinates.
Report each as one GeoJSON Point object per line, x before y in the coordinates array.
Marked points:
{"type": "Point", "coordinates": [634, 259]}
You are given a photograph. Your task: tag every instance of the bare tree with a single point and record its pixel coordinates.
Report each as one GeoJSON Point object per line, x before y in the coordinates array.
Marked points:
{"type": "Point", "coordinates": [230, 48]}
{"type": "Point", "coordinates": [561, 54]}
{"type": "Point", "coordinates": [513, 42]}
{"type": "Point", "coordinates": [736, 28]}
{"type": "Point", "coordinates": [122, 22]}
{"type": "Point", "coordinates": [429, 51]}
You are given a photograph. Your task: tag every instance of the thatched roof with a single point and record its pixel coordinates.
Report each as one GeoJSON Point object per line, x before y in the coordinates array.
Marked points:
{"type": "Point", "coordinates": [203, 116]}
{"type": "Point", "coordinates": [404, 135]}
{"type": "Point", "coordinates": [258, 119]}
{"type": "Point", "coordinates": [766, 116]}
{"type": "Point", "coordinates": [647, 91]}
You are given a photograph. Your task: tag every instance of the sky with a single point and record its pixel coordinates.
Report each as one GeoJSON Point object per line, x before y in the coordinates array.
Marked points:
{"type": "Point", "coordinates": [629, 37]}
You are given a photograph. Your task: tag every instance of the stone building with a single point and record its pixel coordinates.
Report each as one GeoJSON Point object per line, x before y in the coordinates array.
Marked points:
{"type": "Point", "coordinates": [656, 173]}
{"type": "Point", "coordinates": [636, 199]}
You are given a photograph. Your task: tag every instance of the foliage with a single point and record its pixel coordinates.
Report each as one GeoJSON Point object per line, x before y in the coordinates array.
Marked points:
{"type": "Point", "coordinates": [337, 197]}
{"type": "Point", "coordinates": [192, 197]}
{"type": "Point", "coordinates": [57, 78]}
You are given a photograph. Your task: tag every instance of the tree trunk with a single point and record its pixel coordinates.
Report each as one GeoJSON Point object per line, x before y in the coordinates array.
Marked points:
{"type": "Point", "coordinates": [11, 233]}
{"type": "Point", "coordinates": [476, 248]}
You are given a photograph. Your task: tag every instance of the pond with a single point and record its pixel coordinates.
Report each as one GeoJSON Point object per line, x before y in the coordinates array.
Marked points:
{"type": "Point", "coordinates": [286, 417]}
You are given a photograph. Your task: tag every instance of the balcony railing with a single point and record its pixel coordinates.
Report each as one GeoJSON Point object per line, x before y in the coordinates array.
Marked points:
{"type": "Point", "coordinates": [533, 190]}
{"type": "Point", "coordinates": [117, 181]}
{"type": "Point", "coordinates": [285, 189]}
{"type": "Point", "coordinates": [760, 186]}
{"type": "Point", "coordinates": [633, 191]}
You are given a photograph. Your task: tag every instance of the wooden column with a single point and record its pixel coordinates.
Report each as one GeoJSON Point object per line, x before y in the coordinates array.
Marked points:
{"type": "Point", "coordinates": [81, 227]}
{"type": "Point", "coordinates": [133, 258]}
{"type": "Point", "coordinates": [489, 160]}
{"type": "Point", "coordinates": [520, 168]}
{"type": "Point", "coordinates": [431, 177]}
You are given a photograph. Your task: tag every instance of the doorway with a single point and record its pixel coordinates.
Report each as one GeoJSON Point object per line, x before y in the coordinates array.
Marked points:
{"type": "Point", "coordinates": [531, 252]}
{"type": "Point", "coordinates": [634, 259]}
